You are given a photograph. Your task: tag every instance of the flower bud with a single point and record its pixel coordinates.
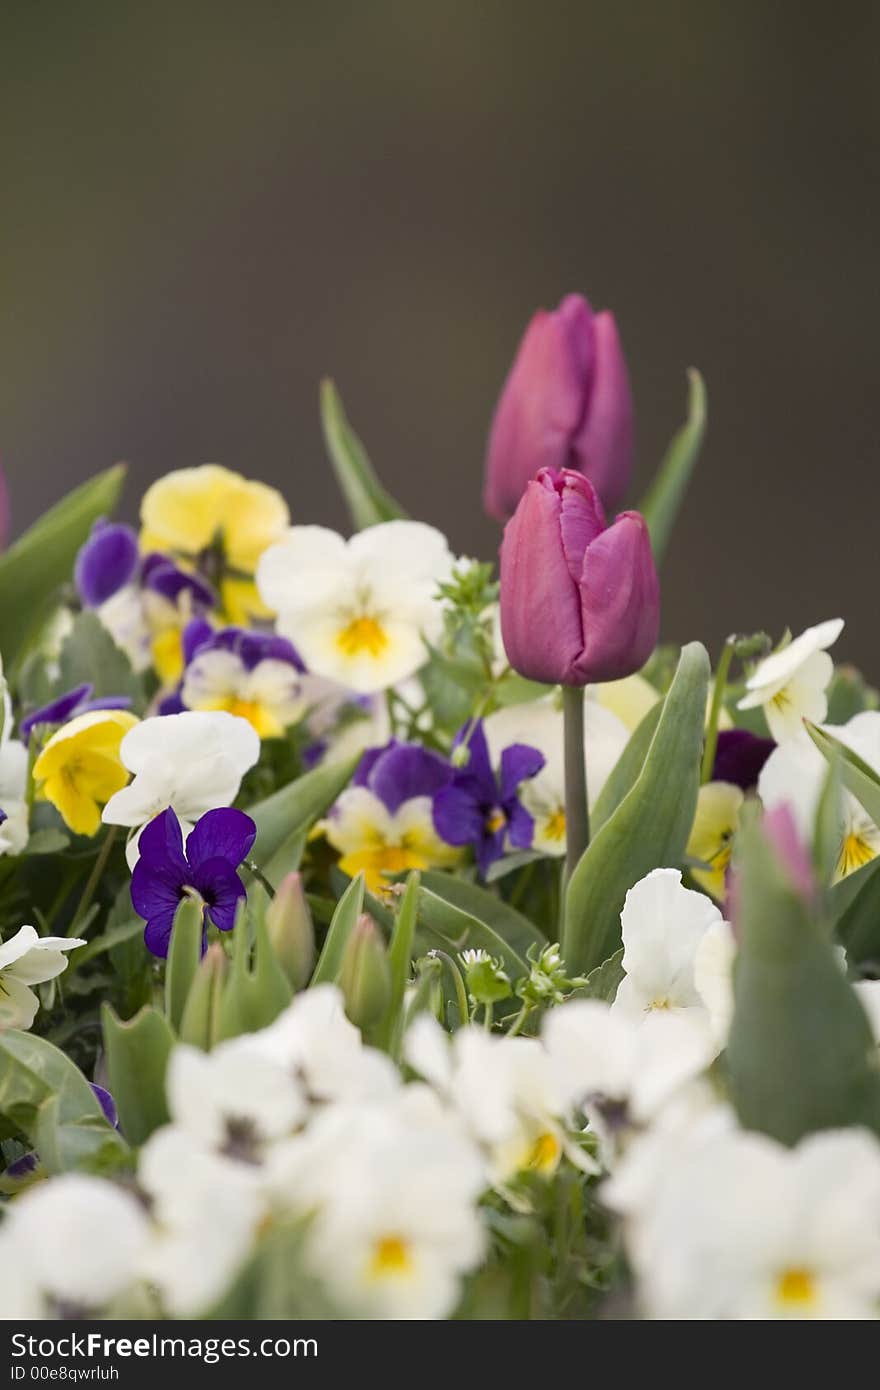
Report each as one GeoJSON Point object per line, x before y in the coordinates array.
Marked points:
{"type": "Point", "coordinates": [365, 975]}
{"type": "Point", "coordinates": [565, 404]}
{"type": "Point", "coordinates": [580, 601]}
{"type": "Point", "coordinates": [201, 1015]}
{"type": "Point", "coordinates": [291, 930]}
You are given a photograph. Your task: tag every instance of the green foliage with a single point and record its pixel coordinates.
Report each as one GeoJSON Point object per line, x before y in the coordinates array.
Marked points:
{"type": "Point", "coordinates": [663, 502]}
{"type": "Point", "coordinates": [137, 1054]}
{"type": "Point", "coordinates": [649, 828]}
{"type": "Point", "coordinates": [89, 653]}
{"type": "Point", "coordinates": [290, 812]}
{"type": "Point", "coordinates": [184, 955]}
{"type": "Point", "coordinates": [344, 920]}
{"type": "Point", "coordinates": [368, 502]}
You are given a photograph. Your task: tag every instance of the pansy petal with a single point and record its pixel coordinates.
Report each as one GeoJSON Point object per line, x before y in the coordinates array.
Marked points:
{"type": "Point", "coordinates": [519, 763]}
{"type": "Point", "coordinates": [407, 771]}
{"type": "Point", "coordinates": [225, 833]}
{"type": "Point", "coordinates": [57, 711]}
{"type": "Point", "coordinates": [457, 816]}
{"type": "Point", "coordinates": [520, 826]}
{"type": "Point", "coordinates": [478, 767]}
{"type": "Point", "coordinates": [222, 889]}
{"type": "Point", "coordinates": [161, 844]}
{"type": "Point", "coordinates": [157, 933]}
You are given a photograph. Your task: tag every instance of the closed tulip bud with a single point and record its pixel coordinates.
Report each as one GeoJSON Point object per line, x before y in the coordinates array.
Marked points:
{"type": "Point", "coordinates": [365, 974]}
{"type": "Point", "coordinates": [200, 1024]}
{"type": "Point", "coordinates": [580, 601]}
{"type": "Point", "coordinates": [291, 930]}
{"type": "Point", "coordinates": [566, 404]}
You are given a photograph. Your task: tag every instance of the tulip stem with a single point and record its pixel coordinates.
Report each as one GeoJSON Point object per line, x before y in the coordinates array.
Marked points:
{"type": "Point", "coordinates": [577, 816]}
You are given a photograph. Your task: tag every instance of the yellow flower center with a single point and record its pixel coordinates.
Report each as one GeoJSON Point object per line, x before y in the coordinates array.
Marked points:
{"type": "Point", "coordinates": [782, 699]}
{"type": "Point", "coordinates": [544, 1154]}
{"type": "Point", "coordinates": [554, 826]}
{"type": "Point", "coordinates": [659, 1003]}
{"type": "Point", "coordinates": [796, 1287]}
{"type": "Point", "coordinates": [495, 820]}
{"type": "Point", "coordinates": [391, 1258]}
{"type": "Point", "coordinates": [855, 852]}
{"type": "Point", "coordinates": [362, 635]}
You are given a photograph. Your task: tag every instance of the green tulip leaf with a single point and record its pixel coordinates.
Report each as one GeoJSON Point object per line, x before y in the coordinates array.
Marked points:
{"type": "Point", "coordinates": [661, 506]}
{"type": "Point", "coordinates": [368, 502]}
{"type": "Point", "coordinates": [651, 826]}
{"type": "Point", "coordinates": [184, 955]}
{"type": "Point", "coordinates": [137, 1053]}
{"type": "Point", "coordinates": [856, 775]}
{"type": "Point", "coordinates": [344, 920]}
{"type": "Point", "coordinates": [627, 768]}
{"type": "Point", "coordinates": [291, 812]}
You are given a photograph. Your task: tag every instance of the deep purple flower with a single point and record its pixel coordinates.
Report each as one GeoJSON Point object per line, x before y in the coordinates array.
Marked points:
{"type": "Point", "coordinates": [164, 577]}
{"type": "Point", "coordinates": [166, 871]}
{"type": "Point", "coordinates": [399, 772]}
{"type": "Point", "coordinates": [106, 562]}
{"type": "Point", "coordinates": [70, 704]}
{"type": "Point", "coordinates": [107, 1104]}
{"type": "Point", "coordinates": [477, 808]}
{"type": "Point", "coordinates": [740, 756]}
{"type": "Point", "coordinates": [249, 645]}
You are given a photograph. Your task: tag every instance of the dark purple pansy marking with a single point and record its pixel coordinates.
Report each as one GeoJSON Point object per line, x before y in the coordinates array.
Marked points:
{"type": "Point", "coordinates": [107, 1104]}
{"type": "Point", "coordinates": [398, 772]}
{"type": "Point", "coordinates": [166, 871]}
{"type": "Point", "coordinates": [484, 810]}
{"type": "Point", "coordinates": [106, 563]}
{"type": "Point", "coordinates": [250, 645]}
{"type": "Point", "coordinates": [739, 757]}
{"type": "Point", "coordinates": [22, 1167]}
{"type": "Point", "coordinates": [70, 704]}
{"type": "Point", "coordinates": [164, 577]}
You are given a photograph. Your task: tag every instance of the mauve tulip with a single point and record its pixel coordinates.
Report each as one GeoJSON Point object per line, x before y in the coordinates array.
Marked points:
{"type": "Point", "coordinates": [566, 404]}
{"type": "Point", "coordinates": [580, 601]}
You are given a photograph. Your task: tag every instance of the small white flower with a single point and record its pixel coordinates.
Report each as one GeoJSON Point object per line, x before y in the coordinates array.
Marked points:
{"type": "Point", "coordinates": [234, 1100]}
{"type": "Point", "coordinates": [538, 724]}
{"type": "Point", "coordinates": [392, 1192]}
{"type": "Point", "coordinates": [506, 1092]}
{"type": "Point", "coordinates": [77, 1242]}
{"type": "Point", "coordinates": [666, 928]}
{"type": "Point", "coordinates": [314, 1040]}
{"type": "Point", "coordinates": [790, 684]}
{"type": "Point", "coordinates": [192, 762]}
{"type": "Point", "coordinates": [742, 1228]}
{"type": "Point", "coordinates": [795, 775]}
{"type": "Point", "coordinates": [124, 617]}
{"type": "Point", "coordinates": [272, 696]}
{"type": "Point", "coordinates": [358, 611]}
{"type": "Point", "coordinates": [28, 959]}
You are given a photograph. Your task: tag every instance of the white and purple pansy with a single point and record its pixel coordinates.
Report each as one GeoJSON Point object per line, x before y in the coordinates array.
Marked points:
{"type": "Point", "coordinates": [205, 869]}
{"type": "Point", "coordinates": [256, 675]}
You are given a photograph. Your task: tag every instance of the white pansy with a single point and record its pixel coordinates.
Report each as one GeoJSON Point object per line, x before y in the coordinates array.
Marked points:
{"type": "Point", "coordinates": [506, 1092]}
{"type": "Point", "coordinates": [742, 1228]}
{"type": "Point", "coordinates": [790, 684]}
{"type": "Point", "coordinates": [313, 1039]}
{"type": "Point", "coordinates": [666, 928]}
{"type": "Point", "coordinates": [539, 724]}
{"type": "Point", "coordinates": [192, 762]}
{"type": "Point", "coordinates": [621, 1070]}
{"type": "Point", "coordinates": [13, 795]}
{"type": "Point", "coordinates": [795, 775]}
{"type": "Point", "coordinates": [358, 611]}
{"type": "Point", "coordinates": [29, 959]}
{"type": "Point", "coordinates": [77, 1241]}
{"type": "Point", "coordinates": [272, 695]}
{"type": "Point", "coordinates": [123, 615]}
{"type": "Point", "coordinates": [234, 1100]}
{"type": "Point", "coordinates": [392, 1193]}
{"type": "Point", "coordinates": [206, 1215]}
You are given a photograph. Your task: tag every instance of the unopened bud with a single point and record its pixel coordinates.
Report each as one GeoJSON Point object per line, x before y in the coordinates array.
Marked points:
{"type": "Point", "coordinates": [291, 930]}
{"type": "Point", "coordinates": [201, 1016]}
{"type": "Point", "coordinates": [365, 975]}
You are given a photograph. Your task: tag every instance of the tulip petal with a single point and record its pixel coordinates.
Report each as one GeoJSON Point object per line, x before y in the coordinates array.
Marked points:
{"type": "Point", "coordinates": [620, 602]}
{"type": "Point", "coordinates": [603, 446]}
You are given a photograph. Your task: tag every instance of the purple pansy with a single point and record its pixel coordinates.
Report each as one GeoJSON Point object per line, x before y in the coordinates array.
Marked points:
{"type": "Point", "coordinates": [166, 870]}
{"type": "Point", "coordinates": [164, 577]}
{"type": "Point", "coordinates": [107, 1104]}
{"type": "Point", "coordinates": [106, 563]}
{"type": "Point", "coordinates": [484, 810]}
{"type": "Point", "coordinates": [249, 645]}
{"type": "Point", "coordinates": [740, 756]}
{"type": "Point", "coordinates": [70, 704]}
{"type": "Point", "coordinates": [398, 772]}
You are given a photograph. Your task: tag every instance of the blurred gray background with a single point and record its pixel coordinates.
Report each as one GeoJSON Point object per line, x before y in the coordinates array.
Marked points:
{"type": "Point", "coordinates": [206, 207]}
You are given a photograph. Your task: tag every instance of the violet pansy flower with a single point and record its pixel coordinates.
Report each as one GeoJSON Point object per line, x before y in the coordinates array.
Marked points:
{"type": "Point", "coordinates": [163, 577]}
{"type": "Point", "coordinates": [167, 871]}
{"type": "Point", "coordinates": [69, 705]}
{"type": "Point", "coordinates": [398, 772]}
{"type": "Point", "coordinates": [106, 563]}
{"type": "Point", "coordinates": [484, 810]}
{"type": "Point", "coordinates": [740, 756]}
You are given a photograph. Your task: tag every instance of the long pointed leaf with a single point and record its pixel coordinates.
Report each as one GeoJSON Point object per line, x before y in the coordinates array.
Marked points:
{"type": "Point", "coordinates": [368, 502]}
{"type": "Point", "coordinates": [662, 505]}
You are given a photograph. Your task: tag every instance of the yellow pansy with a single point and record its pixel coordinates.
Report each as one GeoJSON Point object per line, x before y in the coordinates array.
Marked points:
{"type": "Point", "coordinates": [378, 842]}
{"type": "Point", "coordinates": [79, 769]}
{"type": "Point", "coordinates": [193, 510]}
{"type": "Point", "coordinates": [711, 841]}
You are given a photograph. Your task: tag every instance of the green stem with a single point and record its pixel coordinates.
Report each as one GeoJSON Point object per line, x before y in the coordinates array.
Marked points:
{"type": "Point", "coordinates": [577, 815]}
{"type": "Point", "coordinates": [259, 876]}
{"type": "Point", "coordinates": [719, 688]}
{"type": "Point", "coordinates": [520, 1019]}
{"type": "Point", "coordinates": [94, 879]}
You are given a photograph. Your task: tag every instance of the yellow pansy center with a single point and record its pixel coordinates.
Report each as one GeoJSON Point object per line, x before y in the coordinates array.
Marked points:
{"type": "Point", "coordinates": [496, 820]}
{"type": "Point", "coordinates": [391, 1258]}
{"type": "Point", "coordinates": [263, 719]}
{"type": "Point", "coordinates": [855, 852]}
{"type": "Point", "coordinates": [544, 1154]}
{"type": "Point", "coordinates": [362, 635]}
{"type": "Point", "coordinates": [659, 1004]}
{"type": "Point", "coordinates": [554, 826]}
{"type": "Point", "coordinates": [384, 859]}
{"type": "Point", "coordinates": [796, 1288]}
